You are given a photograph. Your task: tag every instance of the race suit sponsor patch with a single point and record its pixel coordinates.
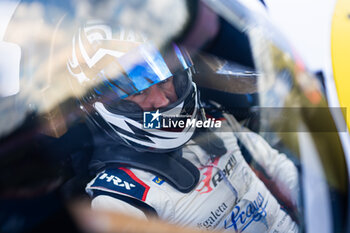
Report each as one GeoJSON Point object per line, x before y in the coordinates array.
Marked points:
{"type": "Point", "coordinates": [121, 181]}
{"type": "Point", "coordinates": [242, 216]}
{"type": "Point", "coordinates": [217, 177]}
{"type": "Point", "coordinates": [158, 180]}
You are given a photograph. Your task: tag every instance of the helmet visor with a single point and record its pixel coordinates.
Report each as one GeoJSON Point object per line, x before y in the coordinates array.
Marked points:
{"type": "Point", "coordinates": [139, 69]}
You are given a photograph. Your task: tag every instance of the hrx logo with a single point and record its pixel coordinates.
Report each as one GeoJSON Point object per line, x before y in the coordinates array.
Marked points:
{"type": "Point", "coordinates": [117, 181]}
{"type": "Point", "coordinates": [151, 120]}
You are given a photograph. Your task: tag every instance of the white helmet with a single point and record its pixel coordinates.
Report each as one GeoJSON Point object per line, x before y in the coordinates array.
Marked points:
{"type": "Point", "coordinates": [122, 63]}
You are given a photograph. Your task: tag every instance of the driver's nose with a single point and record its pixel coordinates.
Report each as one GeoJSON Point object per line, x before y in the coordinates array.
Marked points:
{"type": "Point", "coordinates": [156, 98]}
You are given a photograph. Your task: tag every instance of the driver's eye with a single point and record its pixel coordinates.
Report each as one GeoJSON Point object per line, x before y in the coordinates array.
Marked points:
{"type": "Point", "coordinates": [139, 93]}
{"type": "Point", "coordinates": [165, 81]}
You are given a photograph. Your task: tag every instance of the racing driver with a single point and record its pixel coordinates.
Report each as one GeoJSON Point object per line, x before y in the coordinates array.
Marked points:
{"type": "Point", "coordinates": [192, 176]}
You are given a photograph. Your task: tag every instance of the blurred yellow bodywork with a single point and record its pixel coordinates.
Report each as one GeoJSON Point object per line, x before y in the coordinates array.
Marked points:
{"type": "Point", "coordinates": [340, 48]}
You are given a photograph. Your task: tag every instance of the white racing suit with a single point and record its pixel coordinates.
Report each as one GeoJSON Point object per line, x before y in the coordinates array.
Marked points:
{"type": "Point", "coordinates": [229, 196]}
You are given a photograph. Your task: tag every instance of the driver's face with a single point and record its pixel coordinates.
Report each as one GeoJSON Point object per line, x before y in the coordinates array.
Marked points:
{"type": "Point", "coordinates": [156, 96]}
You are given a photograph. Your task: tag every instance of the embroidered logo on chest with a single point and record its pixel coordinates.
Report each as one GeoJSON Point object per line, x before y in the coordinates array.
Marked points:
{"type": "Point", "coordinates": [217, 176]}
{"type": "Point", "coordinates": [242, 217]}
{"type": "Point", "coordinates": [117, 181]}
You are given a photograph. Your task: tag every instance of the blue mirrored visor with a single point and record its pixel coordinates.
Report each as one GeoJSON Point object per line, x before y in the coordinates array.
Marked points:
{"type": "Point", "coordinates": [141, 68]}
